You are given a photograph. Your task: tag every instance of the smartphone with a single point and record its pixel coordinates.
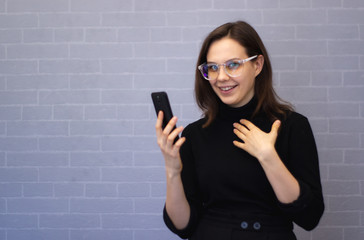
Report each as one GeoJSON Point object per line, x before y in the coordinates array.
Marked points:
{"type": "Point", "coordinates": [161, 103]}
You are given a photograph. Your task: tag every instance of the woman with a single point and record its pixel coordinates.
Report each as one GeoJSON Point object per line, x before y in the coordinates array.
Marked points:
{"type": "Point", "coordinates": [249, 168]}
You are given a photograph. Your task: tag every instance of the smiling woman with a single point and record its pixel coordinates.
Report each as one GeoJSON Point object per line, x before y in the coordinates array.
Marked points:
{"type": "Point", "coordinates": [249, 168]}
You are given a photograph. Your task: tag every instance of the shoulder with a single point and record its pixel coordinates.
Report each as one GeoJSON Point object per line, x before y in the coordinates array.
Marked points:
{"type": "Point", "coordinates": [193, 127]}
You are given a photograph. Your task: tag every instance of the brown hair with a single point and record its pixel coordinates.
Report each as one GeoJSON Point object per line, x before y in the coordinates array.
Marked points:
{"type": "Point", "coordinates": [246, 36]}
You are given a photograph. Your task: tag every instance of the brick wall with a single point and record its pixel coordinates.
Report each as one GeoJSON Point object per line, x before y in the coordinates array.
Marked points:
{"type": "Point", "coordinates": [78, 158]}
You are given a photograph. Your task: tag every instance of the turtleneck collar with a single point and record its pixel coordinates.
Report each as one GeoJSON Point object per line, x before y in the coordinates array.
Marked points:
{"type": "Point", "coordinates": [235, 114]}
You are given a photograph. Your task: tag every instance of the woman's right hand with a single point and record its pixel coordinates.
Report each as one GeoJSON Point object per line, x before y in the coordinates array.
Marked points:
{"type": "Point", "coordinates": [169, 148]}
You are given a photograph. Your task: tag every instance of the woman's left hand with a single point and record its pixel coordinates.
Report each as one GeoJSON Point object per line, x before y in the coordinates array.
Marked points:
{"type": "Point", "coordinates": [255, 141]}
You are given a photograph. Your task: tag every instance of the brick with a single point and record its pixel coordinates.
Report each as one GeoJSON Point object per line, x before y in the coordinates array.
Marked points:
{"type": "Point", "coordinates": [69, 66]}
{"type": "Point", "coordinates": [133, 190]}
{"type": "Point", "coordinates": [161, 81]}
{"type": "Point", "coordinates": [345, 16]}
{"type": "Point", "coordinates": [218, 17]}
{"type": "Point", "coordinates": [101, 159]}
{"type": "Point", "coordinates": [18, 144]}
{"type": "Point", "coordinates": [137, 19]}
{"type": "Point", "coordinates": [346, 47]}
{"type": "Point", "coordinates": [132, 221]}
{"type": "Point", "coordinates": [18, 67]}
{"type": "Point", "coordinates": [37, 113]}
{"type": "Point", "coordinates": [101, 35]}
{"type": "Point", "coordinates": [182, 19]}
{"type": "Point", "coordinates": [353, 4]}
{"type": "Point", "coordinates": [69, 190]}
{"type": "Point", "coordinates": [307, 95]}
{"type": "Point", "coordinates": [101, 190]}
{"type": "Point", "coordinates": [295, 78]}
{"type": "Point", "coordinates": [57, 174]}
{"type": "Point", "coordinates": [101, 6]}
{"type": "Point", "coordinates": [149, 159]}
{"type": "Point", "coordinates": [326, 32]}
{"type": "Point", "coordinates": [294, 16]}
{"type": "Point", "coordinates": [160, 5]}
{"type": "Point", "coordinates": [352, 203]}
{"type": "Point", "coordinates": [68, 112]}
{"type": "Point", "coordinates": [10, 113]}
{"type": "Point", "coordinates": [194, 34]}
{"type": "Point", "coordinates": [330, 233]}
{"type": "Point", "coordinates": [78, 143]}
{"type": "Point", "coordinates": [340, 219]}
{"type": "Point", "coordinates": [354, 156]}
{"type": "Point", "coordinates": [18, 97]}
{"type": "Point", "coordinates": [356, 233]}
{"type": "Point", "coordinates": [107, 112]}
{"type": "Point", "coordinates": [98, 81]}
{"type": "Point", "coordinates": [69, 97]}
{"type": "Point", "coordinates": [18, 221]}
{"type": "Point", "coordinates": [135, 34]}
{"type": "Point", "coordinates": [135, 112]}
{"type": "Point", "coordinates": [36, 128]}
{"type": "Point", "coordinates": [261, 4]}
{"type": "Point", "coordinates": [101, 234]}
{"type": "Point", "coordinates": [14, 21]}
{"type": "Point", "coordinates": [295, 4]}
{"type": "Point", "coordinates": [346, 94]}
{"type": "Point", "coordinates": [101, 206]}
{"type": "Point", "coordinates": [37, 234]}
{"type": "Point", "coordinates": [10, 190]}
{"type": "Point", "coordinates": [338, 140]}
{"type": "Point", "coordinates": [353, 78]}
{"type": "Point", "coordinates": [2, 6]}
{"type": "Point", "coordinates": [166, 34]}
{"type": "Point", "coordinates": [326, 4]}
{"type": "Point", "coordinates": [129, 66]}
{"type": "Point", "coordinates": [165, 50]}
{"type": "Point", "coordinates": [283, 63]}
{"type": "Point", "coordinates": [94, 128]}
{"type": "Point", "coordinates": [271, 33]}
{"type": "Point", "coordinates": [137, 143]}
{"type": "Point", "coordinates": [38, 190]}
{"type": "Point", "coordinates": [37, 6]}
{"type": "Point", "coordinates": [69, 221]}
{"type": "Point", "coordinates": [326, 78]}
{"type": "Point", "coordinates": [10, 36]}
{"type": "Point", "coordinates": [91, 51]}
{"type": "Point", "coordinates": [149, 205]}
{"type": "Point", "coordinates": [127, 174]}
{"type": "Point", "coordinates": [143, 128]}
{"type": "Point", "coordinates": [37, 159]}
{"type": "Point", "coordinates": [69, 35]}
{"type": "Point", "coordinates": [37, 82]}
{"type": "Point", "coordinates": [38, 35]}
{"type": "Point", "coordinates": [158, 189]}
{"type": "Point", "coordinates": [186, 66]}
{"type": "Point", "coordinates": [346, 172]}
{"type": "Point", "coordinates": [346, 125]}
{"type": "Point", "coordinates": [335, 188]}
{"type": "Point", "coordinates": [125, 96]}
{"type": "Point", "coordinates": [69, 20]}
{"type": "Point", "coordinates": [141, 234]}
{"type": "Point", "coordinates": [44, 205]}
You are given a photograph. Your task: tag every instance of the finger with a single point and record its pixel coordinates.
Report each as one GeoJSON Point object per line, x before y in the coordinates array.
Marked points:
{"type": "Point", "coordinates": [239, 144]}
{"type": "Point", "coordinates": [170, 125]}
{"type": "Point", "coordinates": [275, 127]}
{"type": "Point", "coordinates": [172, 136]}
{"type": "Point", "coordinates": [158, 124]}
{"type": "Point", "coordinates": [179, 143]}
{"type": "Point", "coordinates": [247, 123]}
{"type": "Point", "coordinates": [240, 135]}
{"type": "Point", "coordinates": [241, 128]}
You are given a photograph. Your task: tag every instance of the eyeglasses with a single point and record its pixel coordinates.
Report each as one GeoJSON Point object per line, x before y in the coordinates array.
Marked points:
{"type": "Point", "coordinates": [233, 68]}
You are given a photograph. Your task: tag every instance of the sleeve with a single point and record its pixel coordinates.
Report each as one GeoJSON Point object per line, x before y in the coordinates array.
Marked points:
{"type": "Point", "coordinates": [189, 181]}
{"type": "Point", "coordinates": [303, 163]}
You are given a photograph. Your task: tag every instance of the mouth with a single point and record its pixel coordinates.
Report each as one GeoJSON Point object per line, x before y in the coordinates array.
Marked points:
{"type": "Point", "coordinates": [227, 88]}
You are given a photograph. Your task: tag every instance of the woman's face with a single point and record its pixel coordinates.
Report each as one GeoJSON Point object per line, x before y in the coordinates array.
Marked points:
{"type": "Point", "coordinates": [233, 91]}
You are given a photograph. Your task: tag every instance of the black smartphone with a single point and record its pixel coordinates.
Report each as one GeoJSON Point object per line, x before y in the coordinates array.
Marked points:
{"type": "Point", "coordinates": [161, 103]}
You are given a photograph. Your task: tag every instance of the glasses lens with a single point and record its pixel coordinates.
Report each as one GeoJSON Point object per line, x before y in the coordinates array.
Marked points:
{"type": "Point", "coordinates": [209, 71]}
{"type": "Point", "coordinates": [234, 67]}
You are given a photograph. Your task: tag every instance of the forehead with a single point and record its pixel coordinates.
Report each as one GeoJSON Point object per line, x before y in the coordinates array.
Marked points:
{"type": "Point", "coordinates": [225, 49]}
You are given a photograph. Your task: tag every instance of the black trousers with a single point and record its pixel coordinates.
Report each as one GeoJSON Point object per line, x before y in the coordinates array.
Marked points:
{"type": "Point", "coordinates": [221, 226]}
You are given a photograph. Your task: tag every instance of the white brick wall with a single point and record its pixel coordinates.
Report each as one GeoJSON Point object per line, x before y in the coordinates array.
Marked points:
{"type": "Point", "coordinates": [78, 158]}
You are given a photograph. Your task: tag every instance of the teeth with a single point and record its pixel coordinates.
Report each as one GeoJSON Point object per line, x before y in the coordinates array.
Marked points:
{"type": "Point", "coordinates": [226, 88]}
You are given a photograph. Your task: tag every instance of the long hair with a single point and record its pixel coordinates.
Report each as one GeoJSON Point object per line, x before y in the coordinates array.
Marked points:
{"type": "Point", "coordinates": [246, 36]}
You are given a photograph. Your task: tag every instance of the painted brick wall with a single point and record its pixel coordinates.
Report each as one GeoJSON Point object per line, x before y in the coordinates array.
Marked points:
{"type": "Point", "coordinates": [78, 158]}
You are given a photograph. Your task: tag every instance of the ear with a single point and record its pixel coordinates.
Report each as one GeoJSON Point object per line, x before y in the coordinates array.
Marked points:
{"type": "Point", "coordinates": [258, 64]}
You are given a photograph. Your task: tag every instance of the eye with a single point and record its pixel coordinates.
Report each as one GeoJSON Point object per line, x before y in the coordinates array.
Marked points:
{"type": "Point", "coordinates": [232, 65]}
{"type": "Point", "coordinates": [212, 67]}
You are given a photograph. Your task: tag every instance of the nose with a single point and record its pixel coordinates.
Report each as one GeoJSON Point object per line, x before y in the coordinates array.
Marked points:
{"type": "Point", "coordinates": [221, 75]}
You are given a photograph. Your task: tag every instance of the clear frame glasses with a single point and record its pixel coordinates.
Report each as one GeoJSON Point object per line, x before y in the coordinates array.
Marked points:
{"type": "Point", "coordinates": [233, 68]}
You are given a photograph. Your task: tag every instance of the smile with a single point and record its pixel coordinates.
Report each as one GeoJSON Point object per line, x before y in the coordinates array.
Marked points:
{"type": "Point", "coordinates": [227, 88]}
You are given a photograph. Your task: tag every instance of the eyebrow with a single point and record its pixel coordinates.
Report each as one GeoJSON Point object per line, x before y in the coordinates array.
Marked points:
{"type": "Point", "coordinates": [236, 58]}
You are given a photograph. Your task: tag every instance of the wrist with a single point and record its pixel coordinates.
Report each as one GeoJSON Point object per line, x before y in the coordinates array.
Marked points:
{"type": "Point", "coordinates": [269, 155]}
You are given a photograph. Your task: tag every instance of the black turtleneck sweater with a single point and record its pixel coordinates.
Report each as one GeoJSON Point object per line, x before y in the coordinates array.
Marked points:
{"type": "Point", "coordinates": [218, 175]}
